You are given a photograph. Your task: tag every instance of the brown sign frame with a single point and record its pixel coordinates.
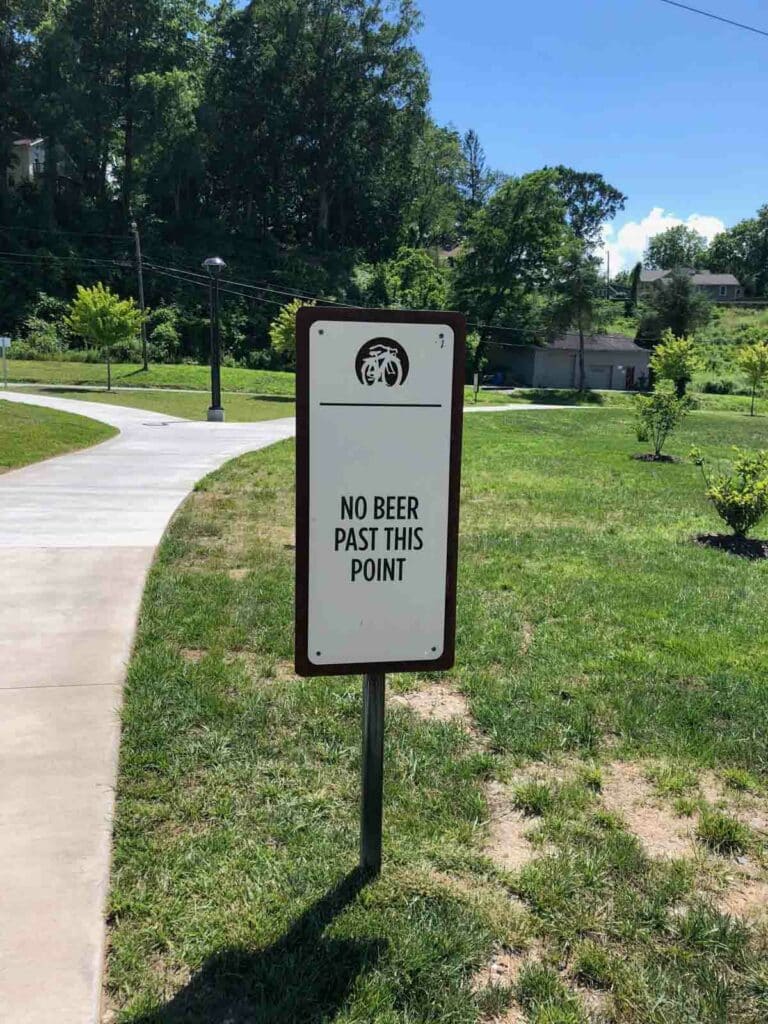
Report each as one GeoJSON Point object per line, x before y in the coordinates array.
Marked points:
{"type": "Point", "coordinates": [304, 320]}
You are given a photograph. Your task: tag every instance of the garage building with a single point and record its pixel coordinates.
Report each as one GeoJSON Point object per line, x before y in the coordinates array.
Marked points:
{"type": "Point", "coordinates": [611, 361]}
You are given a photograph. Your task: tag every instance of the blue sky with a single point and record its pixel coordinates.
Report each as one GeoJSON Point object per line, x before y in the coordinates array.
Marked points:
{"type": "Point", "coordinates": [669, 106]}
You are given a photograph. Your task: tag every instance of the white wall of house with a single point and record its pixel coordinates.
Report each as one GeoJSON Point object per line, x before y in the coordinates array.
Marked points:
{"type": "Point", "coordinates": [557, 368]}
{"type": "Point", "coordinates": [27, 162]}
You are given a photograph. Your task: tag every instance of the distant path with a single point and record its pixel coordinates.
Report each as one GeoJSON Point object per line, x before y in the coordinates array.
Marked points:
{"type": "Point", "coordinates": [257, 394]}
{"type": "Point", "coordinates": [77, 535]}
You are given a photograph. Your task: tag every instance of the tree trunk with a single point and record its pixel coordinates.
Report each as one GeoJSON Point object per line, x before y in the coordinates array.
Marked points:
{"type": "Point", "coordinates": [109, 373]}
{"type": "Point", "coordinates": [752, 406]}
{"type": "Point", "coordinates": [581, 356]}
{"type": "Point", "coordinates": [680, 385]}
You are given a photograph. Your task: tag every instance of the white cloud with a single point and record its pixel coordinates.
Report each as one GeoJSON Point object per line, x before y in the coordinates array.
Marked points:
{"type": "Point", "coordinates": [627, 244]}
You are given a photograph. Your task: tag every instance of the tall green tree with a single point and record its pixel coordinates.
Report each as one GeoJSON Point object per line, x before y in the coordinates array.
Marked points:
{"type": "Point", "coordinates": [743, 251]}
{"type": "Point", "coordinates": [328, 98]}
{"type": "Point", "coordinates": [438, 170]}
{"type": "Point", "coordinates": [589, 201]}
{"type": "Point", "coordinates": [678, 246]}
{"type": "Point", "coordinates": [476, 181]}
{"type": "Point", "coordinates": [577, 291]}
{"type": "Point", "coordinates": [513, 247]}
{"type": "Point", "coordinates": [675, 304]}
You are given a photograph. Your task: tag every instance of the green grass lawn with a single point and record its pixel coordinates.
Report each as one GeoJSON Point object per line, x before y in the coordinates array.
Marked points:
{"type": "Point", "coordinates": [602, 658]}
{"type": "Point", "coordinates": [239, 408]}
{"type": "Point", "coordinates": [28, 434]}
{"type": "Point", "coordinates": [263, 382]}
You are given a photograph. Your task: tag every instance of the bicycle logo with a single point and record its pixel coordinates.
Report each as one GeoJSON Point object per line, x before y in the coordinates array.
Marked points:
{"type": "Point", "coordinates": [382, 361]}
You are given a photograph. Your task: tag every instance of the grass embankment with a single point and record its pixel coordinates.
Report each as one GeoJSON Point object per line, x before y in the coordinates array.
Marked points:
{"type": "Point", "coordinates": [611, 695]}
{"type": "Point", "coordinates": [238, 408]}
{"type": "Point", "coordinates": [198, 378]}
{"type": "Point", "coordinates": [28, 434]}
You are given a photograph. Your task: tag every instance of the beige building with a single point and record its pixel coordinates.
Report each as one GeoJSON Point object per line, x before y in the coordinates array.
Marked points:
{"type": "Point", "coordinates": [717, 287]}
{"type": "Point", "coordinates": [611, 361]}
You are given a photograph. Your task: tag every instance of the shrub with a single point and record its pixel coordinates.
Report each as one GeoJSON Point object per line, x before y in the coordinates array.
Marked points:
{"type": "Point", "coordinates": [658, 415]}
{"type": "Point", "coordinates": [718, 387]}
{"type": "Point", "coordinates": [753, 360]}
{"type": "Point", "coordinates": [740, 496]}
{"type": "Point", "coordinates": [675, 359]}
{"type": "Point", "coordinates": [282, 330]}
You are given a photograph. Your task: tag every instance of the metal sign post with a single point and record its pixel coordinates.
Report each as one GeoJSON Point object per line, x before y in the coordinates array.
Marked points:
{"type": "Point", "coordinates": [4, 344]}
{"type": "Point", "coordinates": [379, 415]}
{"type": "Point", "coordinates": [476, 384]}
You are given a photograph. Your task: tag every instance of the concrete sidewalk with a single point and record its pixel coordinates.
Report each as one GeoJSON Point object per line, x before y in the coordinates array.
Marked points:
{"type": "Point", "coordinates": [77, 535]}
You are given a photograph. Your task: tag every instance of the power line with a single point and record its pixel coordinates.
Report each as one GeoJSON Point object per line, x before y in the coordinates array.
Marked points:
{"type": "Point", "coordinates": [528, 325]}
{"type": "Point", "coordinates": [716, 17]}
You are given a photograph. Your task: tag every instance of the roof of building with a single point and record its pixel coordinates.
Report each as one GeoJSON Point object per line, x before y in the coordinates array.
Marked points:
{"type": "Point", "coordinates": [595, 343]}
{"type": "Point", "coordinates": [700, 277]}
{"type": "Point", "coordinates": [27, 142]}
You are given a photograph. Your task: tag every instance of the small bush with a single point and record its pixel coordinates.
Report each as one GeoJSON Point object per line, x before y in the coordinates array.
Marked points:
{"type": "Point", "coordinates": [718, 387]}
{"type": "Point", "coordinates": [722, 833]}
{"type": "Point", "coordinates": [740, 496]}
{"type": "Point", "coordinates": [658, 415]}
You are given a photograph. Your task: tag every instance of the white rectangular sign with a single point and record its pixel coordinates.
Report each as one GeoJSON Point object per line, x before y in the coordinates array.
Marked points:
{"type": "Point", "coordinates": [5, 342]}
{"type": "Point", "coordinates": [380, 397]}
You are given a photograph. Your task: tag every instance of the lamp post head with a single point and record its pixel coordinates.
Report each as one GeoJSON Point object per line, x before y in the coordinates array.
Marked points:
{"type": "Point", "coordinates": [214, 265]}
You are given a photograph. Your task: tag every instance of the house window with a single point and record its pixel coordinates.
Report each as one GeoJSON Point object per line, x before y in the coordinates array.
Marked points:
{"type": "Point", "coordinates": [723, 290]}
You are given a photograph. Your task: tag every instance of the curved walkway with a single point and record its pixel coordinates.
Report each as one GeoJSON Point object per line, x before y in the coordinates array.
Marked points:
{"type": "Point", "coordinates": [77, 535]}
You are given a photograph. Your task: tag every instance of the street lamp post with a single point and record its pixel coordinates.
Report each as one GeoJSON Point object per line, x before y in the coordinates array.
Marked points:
{"type": "Point", "coordinates": [214, 266]}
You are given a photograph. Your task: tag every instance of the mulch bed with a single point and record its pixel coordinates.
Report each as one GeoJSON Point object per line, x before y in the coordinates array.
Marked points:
{"type": "Point", "coordinates": [744, 547]}
{"type": "Point", "coordinates": [650, 457]}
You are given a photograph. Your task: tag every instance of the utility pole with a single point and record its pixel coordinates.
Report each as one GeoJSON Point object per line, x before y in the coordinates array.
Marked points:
{"type": "Point", "coordinates": [140, 272]}
{"type": "Point", "coordinates": [607, 273]}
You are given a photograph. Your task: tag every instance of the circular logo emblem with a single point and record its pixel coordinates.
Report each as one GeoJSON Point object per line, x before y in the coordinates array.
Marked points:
{"type": "Point", "coordinates": [382, 361]}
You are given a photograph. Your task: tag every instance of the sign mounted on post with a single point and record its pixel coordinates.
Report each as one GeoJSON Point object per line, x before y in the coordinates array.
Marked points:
{"type": "Point", "coordinates": [379, 415]}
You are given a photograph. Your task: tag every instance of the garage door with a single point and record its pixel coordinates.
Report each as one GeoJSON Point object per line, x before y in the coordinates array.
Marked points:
{"type": "Point", "coordinates": [598, 376]}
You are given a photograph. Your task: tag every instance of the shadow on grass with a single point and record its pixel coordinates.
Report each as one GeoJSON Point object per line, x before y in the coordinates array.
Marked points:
{"type": "Point", "coordinates": [744, 547]}
{"type": "Point", "coordinates": [302, 978]}
{"type": "Point", "coordinates": [561, 396]}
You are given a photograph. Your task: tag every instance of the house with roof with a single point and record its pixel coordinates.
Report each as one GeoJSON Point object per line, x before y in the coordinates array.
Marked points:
{"type": "Point", "coordinates": [611, 362]}
{"type": "Point", "coordinates": [717, 287]}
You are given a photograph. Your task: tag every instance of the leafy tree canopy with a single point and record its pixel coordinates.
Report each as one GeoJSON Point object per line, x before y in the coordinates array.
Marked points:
{"type": "Point", "coordinates": [678, 246]}
{"type": "Point", "coordinates": [103, 318]}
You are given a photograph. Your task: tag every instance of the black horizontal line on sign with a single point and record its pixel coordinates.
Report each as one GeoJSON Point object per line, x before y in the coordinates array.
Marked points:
{"type": "Point", "coordinates": [392, 405]}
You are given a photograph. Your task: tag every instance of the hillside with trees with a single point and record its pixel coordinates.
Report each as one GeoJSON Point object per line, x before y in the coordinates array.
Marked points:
{"type": "Point", "coordinates": [294, 139]}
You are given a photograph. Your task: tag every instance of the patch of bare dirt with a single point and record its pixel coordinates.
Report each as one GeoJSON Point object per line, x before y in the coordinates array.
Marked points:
{"type": "Point", "coordinates": [192, 654]}
{"type": "Point", "coordinates": [507, 843]}
{"type": "Point", "coordinates": [651, 457]}
{"type": "Point", "coordinates": [440, 703]}
{"type": "Point", "coordinates": [597, 1004]}
{"type": "Point", "coordinates": [503, 970]}
{"type": "Point", "coordinates": [526, 638]}
{"type": "Point", "coordinates": [747, 898]}
{"type": "Point", "coordinates": [238, 574]}
{"type": "Point", "coordinates": [627, 793]}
